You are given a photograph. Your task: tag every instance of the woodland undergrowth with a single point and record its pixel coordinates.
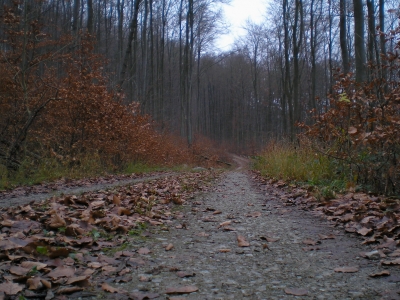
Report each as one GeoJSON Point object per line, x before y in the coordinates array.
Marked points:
{"type": "Point", "coordinates": [353, 144]}
{"type": "Point", "coordinates": [60, 116]}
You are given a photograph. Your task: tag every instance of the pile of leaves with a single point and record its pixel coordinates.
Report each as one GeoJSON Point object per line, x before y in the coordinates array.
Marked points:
{"type": "Point", "coordinates": [57, 247]}
{"type": "Point", "coordinates": [374, 218]}
{"type": "Point", "coordinates": [361, 128]}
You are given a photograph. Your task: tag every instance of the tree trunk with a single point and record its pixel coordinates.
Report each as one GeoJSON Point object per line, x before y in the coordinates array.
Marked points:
{"type": "Point", "coordinates": [359, 41]}
{"type": "Point", "coordinates": [343, 37]}
{"type": "Point", "coordinates": [132, 38]}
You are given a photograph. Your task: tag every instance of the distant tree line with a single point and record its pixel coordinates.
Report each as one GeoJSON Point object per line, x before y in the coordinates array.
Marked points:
{"type": "Point", "coordinates": [161, 54]}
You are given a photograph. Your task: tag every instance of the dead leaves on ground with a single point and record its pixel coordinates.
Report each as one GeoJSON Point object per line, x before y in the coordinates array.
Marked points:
{"type": "Point", "coordinates": [57, 246]}
{"type": "Point", "coordinates": [376, 218]}
{"type": "Point", "coordinates": [242, 242]}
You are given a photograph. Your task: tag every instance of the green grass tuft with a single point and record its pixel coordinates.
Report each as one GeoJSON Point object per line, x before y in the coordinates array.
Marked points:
{"type": "Point", "coordinates": [301, 164]}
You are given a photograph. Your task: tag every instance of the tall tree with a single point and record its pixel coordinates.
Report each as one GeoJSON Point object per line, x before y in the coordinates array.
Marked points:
{"type": "Point", "coordinates": [343, 37]}
{"type": "Point", "coordinates": [359, 41]}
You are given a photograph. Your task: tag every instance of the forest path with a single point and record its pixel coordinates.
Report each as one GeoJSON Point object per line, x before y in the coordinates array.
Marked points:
{"type": "Point", "coordinates": [273, 266]}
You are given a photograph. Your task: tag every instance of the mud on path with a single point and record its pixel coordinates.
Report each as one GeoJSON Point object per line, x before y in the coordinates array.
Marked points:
{"type": "Point", "coordinates": [207, 262]}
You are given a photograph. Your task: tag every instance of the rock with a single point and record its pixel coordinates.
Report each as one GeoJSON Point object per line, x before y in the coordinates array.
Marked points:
{"type": "Point", "coordinates": [373, 255]}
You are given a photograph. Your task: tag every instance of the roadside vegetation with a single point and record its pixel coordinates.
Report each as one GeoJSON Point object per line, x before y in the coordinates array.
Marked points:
{"type": "Point", "coordinates": [354, 144]}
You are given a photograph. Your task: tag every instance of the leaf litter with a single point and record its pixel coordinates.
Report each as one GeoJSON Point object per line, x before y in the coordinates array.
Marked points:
{"type": "Point", "coordinates": [58, 245]}
{"type": "Point", "coordinates": [375, 218]}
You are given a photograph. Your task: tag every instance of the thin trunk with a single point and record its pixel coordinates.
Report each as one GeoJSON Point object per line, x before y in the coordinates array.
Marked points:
{"type": "Point", "coordinates": [132, 38]}
{"type": "Point", "coordinates": [359, 44]}
{"type": "Point", "coordinates": [343, 37]}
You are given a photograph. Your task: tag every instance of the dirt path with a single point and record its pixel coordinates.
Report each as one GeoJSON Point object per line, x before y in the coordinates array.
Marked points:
{"type": "Point", "coordinates": [274, 266]}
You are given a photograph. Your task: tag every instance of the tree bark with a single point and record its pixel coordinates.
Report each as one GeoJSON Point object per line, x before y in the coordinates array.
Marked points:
{"type": "Point", "coordinates": [343, 37]}
{"type": "Point", "coordinates": [359, 41]}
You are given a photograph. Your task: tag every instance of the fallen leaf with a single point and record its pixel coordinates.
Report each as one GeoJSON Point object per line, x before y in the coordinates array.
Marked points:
{"type": "Point", "coordinates": [34, 283]}
{"type": "Point", "coordinates": [143, 251]}
{"type": "Point", "coordinates": [364, 231]}
{"type": "Point", "coordinates": [16, 270]}
{"type": "Point", "coordinates": [116, 200]}
{"type": "Point", "coordinates": [326, 237]}
{"type": "Point", "coordinates": [69, 290]}
{"type": "Point", "coordinates": [142, 296]}
{"type": "Point", "coordinates": [391, 262]}
{"type": "Point", "coordinates": [346, 269]}
{"type": "Point", "coordinates": [224, 224]}
{"type": "Point", "coordinates": [382, 273]}
{"type": "Point", "coordinates": [311, 242]}
{"type": "Point", "coordinates": [224, 250]}
{"type": "Point", "coordinates": [228, 228]}
{"type": "Point", "coordinates": [56, 221]}
{"type": "Point", "coordinates": [352, 130]}
{"type": "Point", "coordinates": [10, 288]}
{"type": "Point", "coordinates": [144, 279]}
{"type": "Point", "coordinates": [182, 290]}
{"type": "Point", "coordinates": [242, 241]}
{"type": "Point", "coordinates": [296, 292]}
{"type": "Point", "coordinates": [218, 212]}
{"type": "Point", "coordinates": [108, 288]}
{"type": "Point", "coordinates": [169, 247]}
{"type": "Point", "coordinates": [61, 272]}
{"type": "Point", "coordinates": [255, 214]}
{"type": "Point", "coordinates": [183, 274]}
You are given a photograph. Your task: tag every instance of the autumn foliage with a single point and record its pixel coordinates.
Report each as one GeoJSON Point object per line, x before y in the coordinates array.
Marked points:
{"type": "Point", "coordinates": [361, 128]}
{"type": "Point", "coordinates": [55, 101]}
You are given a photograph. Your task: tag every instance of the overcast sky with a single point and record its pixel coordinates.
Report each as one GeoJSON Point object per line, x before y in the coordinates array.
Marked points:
{"type": "Point", "coordinates": [236, 15]}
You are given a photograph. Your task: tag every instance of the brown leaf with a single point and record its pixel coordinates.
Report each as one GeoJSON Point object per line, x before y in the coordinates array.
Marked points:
{"type": "Point", "coordinates": [224, 250]}
{"type": "Point", "coordinates": [391, 262]}
{"type": "Point", "coordinates": [255, 214]}
{"type": "Point", "coordinates": [142, 296]}
{"type": "Point", "coordinates": [34, 283]}
{"type": "Point", "coordinates": [346, 269]}
{"type": "Point", "coordinates": [182, 290]}
{"type": "Point", "coordinates": [69, 290]}
{"type": "Point", "coordinates": [326, 237]}
{"type": "Point", "coordinates": [123, 211]}
{"type": "Point", "coordinates": [19, 270]}
{"type": "Point", "coordinates": [296, 292]}
{"type": "Point", "coordinates": [183, 274]}
{"type": "Point", "coordinates": [59, 252]}
{"type": "Point", "coordinates": [381, 273]}
{"type": "Point", "coordinates": [108, 288]}
{"type": "Point", "coordinates": [143, 251]}
{"type": "Point", "coordinates": [352, 130]}
{"type": "Point", "coordinates": [61, 272]}
{"type": "Point", "coordinates": [218, 212]}
{"type": "Point", "coordinates": [311, 242]}
{"type": "Point", "coordinates": [169, 247]}
{"type": "Point", "coordinates": [224, 223]}
{"type": "Point", "coordinates": [77, 280]}
{"type": "Point", "coordinates": [242, 241]}
{"type": "Point", "coordinates": [116, 200]}
{"type": "Point", "coordinates": [10, 288]}
{"type": "Point", "coordinates": [30, 264]}
{"type": "Point", "coordinates": [56, 221]}
{"type": "Point", "coordinates": [364, 231]}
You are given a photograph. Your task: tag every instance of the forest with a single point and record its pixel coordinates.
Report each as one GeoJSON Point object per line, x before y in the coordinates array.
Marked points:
{"type": "Point", "coordinates": [126, 81]}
